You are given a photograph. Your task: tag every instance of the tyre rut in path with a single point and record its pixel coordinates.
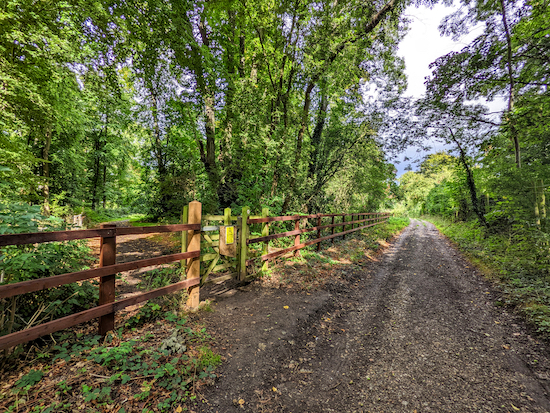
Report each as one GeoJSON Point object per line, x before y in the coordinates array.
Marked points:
{"type": "Point", "coordinates": [418, 331]}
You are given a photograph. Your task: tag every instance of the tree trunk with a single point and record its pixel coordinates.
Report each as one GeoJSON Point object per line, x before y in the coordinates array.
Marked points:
{"type": "Point", "coordinates": [46, 171]}
{"type": "Point", "coordinates": [513, 131]}
{"type": "Point", "coordinates": [284, 101]}
{"type": "Point", "coordinates": [97, 168]}
{"type": "Point", "coordinates": [476, 204]}
{"type": "Point", "coordinates": [299, 142]}
{"type": "Point", "coordinates": [316, 137]}
{"type": "Point", "coordinates": [104, 188]}
{"type": "Point", "coordinates": [542, 200]}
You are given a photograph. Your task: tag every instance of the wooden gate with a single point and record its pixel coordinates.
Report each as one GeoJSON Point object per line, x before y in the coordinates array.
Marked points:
{"type": "Point", "coordinates": [215, 267]}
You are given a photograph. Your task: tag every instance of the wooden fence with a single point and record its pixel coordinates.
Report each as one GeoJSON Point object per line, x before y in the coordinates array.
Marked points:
{"type": "Point", "coordinates": [202, 242]}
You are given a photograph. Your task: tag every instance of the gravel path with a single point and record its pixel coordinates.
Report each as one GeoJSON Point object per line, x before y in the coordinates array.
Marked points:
{"type": "Point", "coordinates": [417, 332]}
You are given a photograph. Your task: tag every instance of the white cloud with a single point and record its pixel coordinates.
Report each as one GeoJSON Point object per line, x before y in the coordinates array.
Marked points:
{"type": "Point", "coordinates": [422, 45]}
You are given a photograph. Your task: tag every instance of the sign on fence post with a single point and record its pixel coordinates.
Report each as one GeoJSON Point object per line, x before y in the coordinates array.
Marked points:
{"type": "Point", "coordinates": [107, 256]}
{"type": "Point", "coordinates": [194, 244]}
{"type": "Point", "coordinates": [228, 244]}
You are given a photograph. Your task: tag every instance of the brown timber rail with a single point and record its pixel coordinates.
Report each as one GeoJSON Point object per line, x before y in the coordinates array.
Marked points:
{"type": "Point", "coordinates": [190, 258]}
{"type": "Point", "coordinates": [374, 218]}
{"type": "Point", "coordinates": [107, 305]}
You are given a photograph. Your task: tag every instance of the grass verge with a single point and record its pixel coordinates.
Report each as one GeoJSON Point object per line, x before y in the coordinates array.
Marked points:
{"type": "Point", "coordinates": [312, 270]}
{"type": "Point", "coordinates": [95, 217]}
{"type": "Point", "coordinates": [517, 258]}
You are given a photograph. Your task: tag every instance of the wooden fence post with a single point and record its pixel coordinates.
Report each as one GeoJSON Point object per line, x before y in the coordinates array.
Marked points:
{"type": "Point", "coordinates": [107, 256]}
{"type": "Point", "coordinates": [243, 247]}
{"type": "Point", "coordinates": [265, 233]}
{"type": "Point", "coordinates": [227, 216]}
{"type": "Point", "coordinates": [332, 230]}
{"type": "Point", "coordinates": [297, 237]}
{"type": "Point", "coordinates": [344, 225]}
{"type": "Point", "coordinates": [184, 220]}
{"type": "Point", "coordinates": [319, 232]}
{"type": "Point", "coordinates": [194, 244]}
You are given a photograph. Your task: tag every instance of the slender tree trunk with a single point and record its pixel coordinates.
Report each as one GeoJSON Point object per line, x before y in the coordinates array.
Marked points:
{"type": "Point", "coordinates": [299, 142]}
{"type": "Point", "coordinates": [210, 124]}
{"type": "Point", "coordinates": [542, 200]}
{"type": "Point", "coordinates": [159, 155]}
{"type": "Point", "coordinates": [284, 101]}
{"type": "Point", "coordinates": [99, 153]}
{"type": "Point", "coordinates": [104, 186]}
{"type": "Point", "coordinates": [476, 204]}
{"type": "Point", "coordinates": [46, 171]}
{"type": "Point", "coordinates": [210, 128]}
{"type": "Point", "coordinates": [317, 134]}
{"type": "Point", "coordinates": [511, 83]}
{"type": "Point", "coordinates": [95, 181]}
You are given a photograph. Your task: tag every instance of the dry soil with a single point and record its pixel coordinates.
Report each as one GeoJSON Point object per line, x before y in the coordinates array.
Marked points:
{"type": "Point", "coordinates": [418, 331]}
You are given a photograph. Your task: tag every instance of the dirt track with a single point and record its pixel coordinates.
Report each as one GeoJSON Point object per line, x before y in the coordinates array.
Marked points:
{"type": "Point", "coordinates": [418, 332]}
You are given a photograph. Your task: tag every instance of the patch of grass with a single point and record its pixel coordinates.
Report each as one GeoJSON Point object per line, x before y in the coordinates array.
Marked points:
{"type": "Point", "coordinates": [315, 257]}
{"type": "Point", "coordinates": [517, 258]}
{"type": "Point", "coordinates": [312, 269]}
{"type": "Point", "coordinates": [143, 224]}
{"type": "Point", "coordinates": [207, 358]}
{"type": "Point", "coordinates": [97, 216]}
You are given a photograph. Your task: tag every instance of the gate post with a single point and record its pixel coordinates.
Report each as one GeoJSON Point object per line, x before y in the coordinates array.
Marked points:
{"type": "Point", "coordinates": [227, 216]}
{"type": "Point", "coordinates": [184, 220]}
{"type": "Point", "coordinates": [107, 256]}
{"type": "Point", "coordinates": [243, 247]}
{"type": "Point", "coordinates": [297, 237]}
{"type": "Point", "coordinates": [194, 244]}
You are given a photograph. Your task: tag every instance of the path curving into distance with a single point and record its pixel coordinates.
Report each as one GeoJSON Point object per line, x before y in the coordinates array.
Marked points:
{"type": "Point", "coordinates": [418, 332]}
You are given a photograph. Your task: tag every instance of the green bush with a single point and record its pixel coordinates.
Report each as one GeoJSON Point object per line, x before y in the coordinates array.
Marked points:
{"type": "Point", "coordinates": [27, 262]}
{"type": "Point", "coordinates": [517, 255]}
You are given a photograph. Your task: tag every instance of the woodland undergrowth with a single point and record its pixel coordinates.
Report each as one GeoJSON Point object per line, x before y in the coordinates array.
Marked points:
{"type": "Point", "coordinates": [517, 257]}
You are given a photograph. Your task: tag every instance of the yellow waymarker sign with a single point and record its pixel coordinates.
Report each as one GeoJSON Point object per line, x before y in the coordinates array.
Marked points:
{"type": "Point", "coordinates": [229, 235]}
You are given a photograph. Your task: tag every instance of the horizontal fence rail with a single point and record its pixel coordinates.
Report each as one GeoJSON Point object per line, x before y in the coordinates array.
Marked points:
{"type": "Point", "coordinates": [201, 243]}
{"type": "Point", "coordinates": [377, 217]}
{"type": "Point", "coordinates": [107, 306]}
{"type": "Point", "coordinates": [10, 290]}
{"type": "Point", "coordinates": [76, 234]}
{"type": "Point", "coordinates": [33, 333]}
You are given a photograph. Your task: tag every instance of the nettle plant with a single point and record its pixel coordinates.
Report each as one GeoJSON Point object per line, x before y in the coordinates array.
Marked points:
{"type": "Point", "coordinates": [26, 262]}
